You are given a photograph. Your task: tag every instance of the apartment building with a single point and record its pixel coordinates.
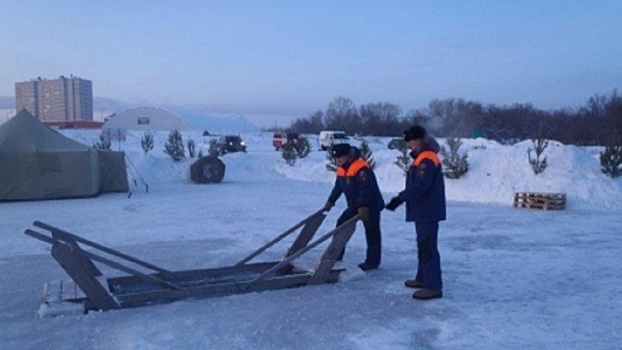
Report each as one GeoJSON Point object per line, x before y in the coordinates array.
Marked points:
{"type": "Point", "coordinates": [56, 100]}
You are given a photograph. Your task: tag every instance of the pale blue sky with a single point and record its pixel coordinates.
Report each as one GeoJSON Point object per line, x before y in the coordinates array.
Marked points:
{"type": "Point", "coordinates": [300, 55]}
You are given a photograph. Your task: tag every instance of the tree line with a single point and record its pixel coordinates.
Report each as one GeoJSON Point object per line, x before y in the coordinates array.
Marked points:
{"type": "Point", "coordinates": [598, 122]}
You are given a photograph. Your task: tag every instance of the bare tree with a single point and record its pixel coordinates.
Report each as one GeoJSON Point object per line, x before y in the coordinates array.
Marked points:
{"type": "Point", "coordinates": [311, 125]}
{"type": "Point", "coordinates": [605, 112]}
{"type": "Point", "coordinates": [417, 117]}
{"type": "Point", "coordinates": [379, 118]}
{"type": "Point", "coordinates": [341, 114]}
{"type": "Point", "coordinates": [597, 121]}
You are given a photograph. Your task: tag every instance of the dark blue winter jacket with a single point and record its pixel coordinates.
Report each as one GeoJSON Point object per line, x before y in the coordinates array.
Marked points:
{"type": "Point", "coordinates": [425, 187]}
{"type": "Point", "coordinates": [358, 182]}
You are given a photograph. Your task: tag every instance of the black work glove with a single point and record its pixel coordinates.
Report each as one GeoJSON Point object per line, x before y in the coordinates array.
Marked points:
{"type": "Point", "coordinates": [328, 206]}
{"type": "Point", "coordinates": [363, 213]}
{"type": "Point", "coordinates": [393, 203]}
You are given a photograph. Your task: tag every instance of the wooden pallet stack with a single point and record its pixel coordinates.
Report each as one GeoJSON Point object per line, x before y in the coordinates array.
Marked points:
{"type": "Point", "coordinates": [544, 201]}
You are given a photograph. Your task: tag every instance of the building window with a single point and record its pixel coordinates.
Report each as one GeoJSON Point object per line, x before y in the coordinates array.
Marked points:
{"type": "Point", "coordinates": [143, 121]}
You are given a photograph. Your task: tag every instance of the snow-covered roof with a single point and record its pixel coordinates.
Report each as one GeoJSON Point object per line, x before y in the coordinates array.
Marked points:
{"type": "Point", "coordinates": [146, 118]}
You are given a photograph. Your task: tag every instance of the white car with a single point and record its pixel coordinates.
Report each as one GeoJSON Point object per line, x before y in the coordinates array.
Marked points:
{"type": "Point", "coordinates": [328, 138]}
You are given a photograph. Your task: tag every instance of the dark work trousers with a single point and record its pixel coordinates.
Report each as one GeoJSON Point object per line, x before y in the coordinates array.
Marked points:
{"type": "Point", "coordinates": [372, 234]}
{"type": "Point", "coordinates": [429, 259]}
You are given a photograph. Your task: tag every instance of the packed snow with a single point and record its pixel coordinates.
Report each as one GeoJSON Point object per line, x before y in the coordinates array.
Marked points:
{"type": "Point", "coordinates": [514, 278]}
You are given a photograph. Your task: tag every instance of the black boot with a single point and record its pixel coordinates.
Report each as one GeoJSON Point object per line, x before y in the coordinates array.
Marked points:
{"type": "Point", "coordinates": [425, 294]}
{"type": "Point", "coordinates": [365, 266]}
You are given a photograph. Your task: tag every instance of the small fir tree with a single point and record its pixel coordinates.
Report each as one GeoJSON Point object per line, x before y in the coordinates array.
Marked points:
{"type": "Point", "coordinates": [104, 142]}
{"type": "Point", "coordinates": [174, 146]}
{"type": "Point", "coordinates": [403, 160]}
{"type": "Point", "coordinates": [147, 142]}
{"type": "Point", "coordinates": [540, 144]}
{"type": "Point", "coordinates": [213, 150]}
{"type": "Point", "coordinates": [191, 148]}
{"type": "Point", "coordinates": [302, 147]}
{"type": "Point", "coordinates": [288, 152]}
{"type": "Point", "coordinates": [367, 154]}
{"type": "Point", "coordinates": [611, 158]}
{"type": "Point", "coordinates": [455, 164]}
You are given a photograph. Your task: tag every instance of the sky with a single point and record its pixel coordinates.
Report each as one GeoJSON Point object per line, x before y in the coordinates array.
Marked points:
{"type": "Point", "coordinates": [514, 278]}
{"type": "Point", "coordinates": [292, 58]}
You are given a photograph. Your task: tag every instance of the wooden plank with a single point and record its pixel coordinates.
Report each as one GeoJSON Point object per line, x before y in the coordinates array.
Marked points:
{"type": "Point", "coordinates": [87, 263]}
{"type": "Point", "coordinates": [310, 246]}
{"type": "Point", "coordinates": [211, 291]}
{"type": "Point", "coordinates": [193, 277]}
{"type": "Point", "coordinates": [328, 259]}
{"type": "Point", "coordinates": [91, 286]}
{"type": "Point", "coordinates": [307, 233]}
{"type": "Point", "coordinates": [70, 237]}
{"type": "Point", "coordinates": [121, 267]}
{"type": "Point", "coordinates": [540, 200]}
{"type": "Point", "coordinates": [162, 295]}
{"type": "Point", "coordinates": [306, 222]}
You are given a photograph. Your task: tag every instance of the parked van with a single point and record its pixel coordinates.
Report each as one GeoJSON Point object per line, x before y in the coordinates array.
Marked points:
{"type": "Point", "coordinates": [328, 138]}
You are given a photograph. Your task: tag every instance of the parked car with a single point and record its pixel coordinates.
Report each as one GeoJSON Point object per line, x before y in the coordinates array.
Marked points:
{"type": "Point", "coordinates": [279, 139]}
{"type": "Point", "coordinates": [328, 138]}
{"type": "Point", "coordinates": [230, 144]}
{"type": "Point", "coordinates": [395, 144]}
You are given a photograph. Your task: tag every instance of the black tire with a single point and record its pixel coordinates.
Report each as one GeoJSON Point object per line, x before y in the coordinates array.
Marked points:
{"type": "Point", "coordinates": [207, 170]}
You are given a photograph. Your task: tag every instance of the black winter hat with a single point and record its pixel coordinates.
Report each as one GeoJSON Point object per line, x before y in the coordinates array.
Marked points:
{"type": "Point", "coordinates": [340, 150]}
{"type": "Point", "coordinates": [414, 133]}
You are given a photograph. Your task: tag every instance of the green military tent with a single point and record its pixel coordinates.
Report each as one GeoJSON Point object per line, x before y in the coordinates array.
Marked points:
{"type": "Point", "coordinates": [37, 162]}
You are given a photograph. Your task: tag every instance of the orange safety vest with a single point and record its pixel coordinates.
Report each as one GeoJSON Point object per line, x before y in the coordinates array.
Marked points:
{"type": "Point", "coordinates": [353, 169]}
{"type": "Point", "coordinates": [427, 155]}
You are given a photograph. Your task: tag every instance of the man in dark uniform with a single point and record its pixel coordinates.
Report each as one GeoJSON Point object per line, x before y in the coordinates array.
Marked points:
{"type": "Point", "coordinates": [424, 195]}
{"type": "Point", "coordinates": [356, 180]}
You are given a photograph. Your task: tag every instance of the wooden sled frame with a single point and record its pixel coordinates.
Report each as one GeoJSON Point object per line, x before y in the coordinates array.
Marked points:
{"type": "Point", "coordinates": [159, 285]}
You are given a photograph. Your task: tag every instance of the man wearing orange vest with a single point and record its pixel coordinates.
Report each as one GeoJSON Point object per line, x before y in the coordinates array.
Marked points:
{"type": "Point", "coordinates": [356, 180]}
{"type": "Point", "coordinates": [424, 195]}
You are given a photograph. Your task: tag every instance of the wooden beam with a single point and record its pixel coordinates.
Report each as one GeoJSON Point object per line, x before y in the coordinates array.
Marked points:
{"type": "Point", "coordinates": [71, 261]}
{"type": "Point", "coordinates": [307, 233]}
{"type": "Point", "coordinates": [312, 245]}
{"type": "Point", "coordinates": [312, 218]}
{"type": "Point", "coordinates": [66, 236]}
{"type": "Point", "coordinates": [328, 259]}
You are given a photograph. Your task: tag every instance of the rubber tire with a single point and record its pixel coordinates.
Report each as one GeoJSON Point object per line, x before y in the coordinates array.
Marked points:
{"type": "Point", "coordinates": [207, 170]}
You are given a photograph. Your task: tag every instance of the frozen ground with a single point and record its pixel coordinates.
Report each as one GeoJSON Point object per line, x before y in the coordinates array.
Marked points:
{"type": "Point", "coordinates": [514, 278]}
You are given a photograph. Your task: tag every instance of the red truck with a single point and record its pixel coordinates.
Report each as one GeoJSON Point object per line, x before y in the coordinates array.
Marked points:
{"type": "Point", "coordinates": [279, 139]}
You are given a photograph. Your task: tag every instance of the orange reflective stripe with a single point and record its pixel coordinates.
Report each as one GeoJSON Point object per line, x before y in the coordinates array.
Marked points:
{"type": "Point", "coordinates": [353, 169]}
{"type": "Point", "coordinates": [427, 155]}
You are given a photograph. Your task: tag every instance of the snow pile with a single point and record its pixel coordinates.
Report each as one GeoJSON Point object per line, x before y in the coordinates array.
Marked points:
{"type": "Point", "coordinates": [495, 173]}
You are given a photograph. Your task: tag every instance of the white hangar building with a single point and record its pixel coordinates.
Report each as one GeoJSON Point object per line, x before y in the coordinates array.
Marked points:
{"type": "Point", "coordinates": [146, 118]}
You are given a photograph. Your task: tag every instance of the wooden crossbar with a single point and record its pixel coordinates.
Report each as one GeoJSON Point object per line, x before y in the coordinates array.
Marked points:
{"type": "Point", "coordinates": [309, 227]}
{"type": "Point", "coordinates": [71, 238]}
{"type": "Point", "coordinates": [87, 258]}
{"type": "Point", "coordinates": [346, 226]}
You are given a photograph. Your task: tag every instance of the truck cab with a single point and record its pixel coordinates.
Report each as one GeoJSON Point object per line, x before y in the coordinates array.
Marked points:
{"type": "Point", "coordinates": [279, 139]}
